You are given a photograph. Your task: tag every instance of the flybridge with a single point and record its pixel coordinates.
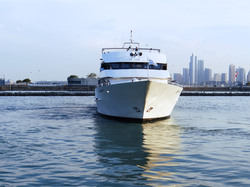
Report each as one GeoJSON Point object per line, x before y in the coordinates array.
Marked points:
{"type": "Point", "coordinates": [131, 52]}
{"type": "Point", "coordinates": [110, 55]}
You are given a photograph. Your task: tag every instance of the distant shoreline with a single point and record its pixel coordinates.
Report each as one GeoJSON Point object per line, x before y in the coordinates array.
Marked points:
{"type": "Point", "coordinates": [92, 93]}
{"type": "Point", "coordinates": [47, 93]}
{"type": "Point", "coordinates": [66, 90]}
{"type": "Point", "coordinates": [215, 93]}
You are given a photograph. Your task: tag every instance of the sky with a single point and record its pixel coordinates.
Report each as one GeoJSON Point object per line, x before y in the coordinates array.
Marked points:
{"type": "Point", "coordinates": [53, 39]}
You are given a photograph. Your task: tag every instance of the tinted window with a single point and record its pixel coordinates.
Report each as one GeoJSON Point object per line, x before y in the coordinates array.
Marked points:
{"type": "Point", "coordinates": [127, 65]}
{"type": "Point", "coordinates": [115, 65]}
{"type": "Point", "coordinates": [139, 66]}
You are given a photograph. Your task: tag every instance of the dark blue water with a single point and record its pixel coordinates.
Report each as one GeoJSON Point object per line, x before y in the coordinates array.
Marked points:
{"type": "Point", "coordinates": [62, 141]}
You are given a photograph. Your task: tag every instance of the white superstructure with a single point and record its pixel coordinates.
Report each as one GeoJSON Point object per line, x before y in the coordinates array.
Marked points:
{"type": "Point", "coordinates": [134, 83]}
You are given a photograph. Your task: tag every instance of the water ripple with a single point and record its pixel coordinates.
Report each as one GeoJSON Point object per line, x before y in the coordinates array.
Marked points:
{"type": "Point", "coordinates": [62, 141]}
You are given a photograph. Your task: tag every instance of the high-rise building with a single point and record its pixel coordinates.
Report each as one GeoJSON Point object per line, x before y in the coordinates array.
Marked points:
{"type": "Point", "coordinates": [231, 73]}
{"type": "Point", "coordinates": [200, 71]}
{"type": "Point", "coordinates": [178, 77]}
{"type": "Point", "coordinates": [224, 77]}
{"type": "Point", "coordinates": [196, 70]}
{"type": "Point", "coordinates": [248, 76]}
{"type": "Point", "coordinates": [240, 75]}
{"type": "Point", "coordinates": [192, 69]}
{"type": "Point", "coordinates": [185, 78]}
{"type": "Point", "coordinates": [217, 77]}
{"type": "Point", "coordinates": [208, 75]}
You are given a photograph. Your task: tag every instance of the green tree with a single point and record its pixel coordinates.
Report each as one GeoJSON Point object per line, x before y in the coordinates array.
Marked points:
{"type": "Point", "coordinates": [92, 75]}
{"type": "Point", "coordinates": [73, 76]}
{"type": "Point", "coordinates": [27, 80]}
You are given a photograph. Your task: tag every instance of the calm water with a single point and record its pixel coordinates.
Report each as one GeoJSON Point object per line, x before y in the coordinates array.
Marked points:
{"type": "Point", "coordinates": [62, 141]}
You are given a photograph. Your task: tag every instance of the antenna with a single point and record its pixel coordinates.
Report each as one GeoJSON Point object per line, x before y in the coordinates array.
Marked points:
{"type": "Point", "coordinates": [131, 32]}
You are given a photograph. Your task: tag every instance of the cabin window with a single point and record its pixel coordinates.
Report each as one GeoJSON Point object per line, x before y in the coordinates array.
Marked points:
{"type": "Point", "coordinates": [157, 66]}
{"type": "Point", "coordinates": [129, 65]}
{"type": "Point", "coordinates": [115, 65]}
{"type": "Point", "coordinates": [139, 66]}
{"type": "Point", "coordinates": [105, 66]}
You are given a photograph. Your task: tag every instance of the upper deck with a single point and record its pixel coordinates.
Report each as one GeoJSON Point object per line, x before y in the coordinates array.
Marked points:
{"type": "Point", "coordinates": [133, 61]}
{"type": "Point", "coordinates": [131, 52]}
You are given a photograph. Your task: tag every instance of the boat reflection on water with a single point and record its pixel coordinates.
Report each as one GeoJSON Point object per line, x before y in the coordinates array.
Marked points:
{"type": "Point", "coordinates": [136, 153]}
{"type": "Point", "coordinates": [161, 140]}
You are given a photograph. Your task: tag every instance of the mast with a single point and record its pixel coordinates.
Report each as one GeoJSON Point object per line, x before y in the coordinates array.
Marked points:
{"type": "Point", "coordinates": [131, 40]}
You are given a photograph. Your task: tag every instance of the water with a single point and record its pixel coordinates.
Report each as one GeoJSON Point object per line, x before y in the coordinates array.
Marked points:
{"type": "Point", "coordinates": [62, 141]}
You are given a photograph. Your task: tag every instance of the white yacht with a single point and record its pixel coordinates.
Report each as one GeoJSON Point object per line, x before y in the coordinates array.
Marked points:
{"type": "Point", "coordinates": [134, 83]}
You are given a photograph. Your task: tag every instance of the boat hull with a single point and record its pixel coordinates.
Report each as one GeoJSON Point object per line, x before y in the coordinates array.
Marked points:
{"type": "Point", "coordinates": [138, 100]}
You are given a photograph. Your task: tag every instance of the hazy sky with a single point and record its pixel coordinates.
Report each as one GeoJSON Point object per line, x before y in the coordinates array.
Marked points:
{"type": "Point", "coordinates": [52, 39]}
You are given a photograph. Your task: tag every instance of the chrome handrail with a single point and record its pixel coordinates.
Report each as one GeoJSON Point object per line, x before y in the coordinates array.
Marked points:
{"type": "Point", "coordinates": [145, 49]}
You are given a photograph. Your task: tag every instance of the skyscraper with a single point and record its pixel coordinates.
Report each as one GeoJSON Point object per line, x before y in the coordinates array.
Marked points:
{"type": "Point", "coordinates": [224, 77]}
{"type": "Point", "coordinates": [178, 78]}
{"type": "Point", "coordinates": [248, 77]}
{"type": "Point", "coordinates": [185, 78]}
{"type": "Point", "coordinates": [196, 70]}
{"type": "Point", "coordinates": [208, 75]}
{"type": "Point", "coordinates": [192, 69]}
{"type": "Point", "coordinates": [200, 71]}
{"type": "Point", "coordinates": [231, 73]}
{"type": "Point", "coordinates": [217, 77]}
{"type": "Point", "coordinates": [240, 75]}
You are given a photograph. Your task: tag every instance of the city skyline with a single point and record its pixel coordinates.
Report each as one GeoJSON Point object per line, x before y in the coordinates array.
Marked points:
{"type": "Point", "coordinates": [199, 74]}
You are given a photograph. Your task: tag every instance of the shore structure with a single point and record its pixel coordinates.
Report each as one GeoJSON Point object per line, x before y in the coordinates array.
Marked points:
{"type": "Point", "coordinates": [90, 91]}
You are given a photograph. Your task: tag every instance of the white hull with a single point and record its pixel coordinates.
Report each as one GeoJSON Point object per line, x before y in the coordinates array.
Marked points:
{"type": "Point", "coordinates": [140, 100]}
